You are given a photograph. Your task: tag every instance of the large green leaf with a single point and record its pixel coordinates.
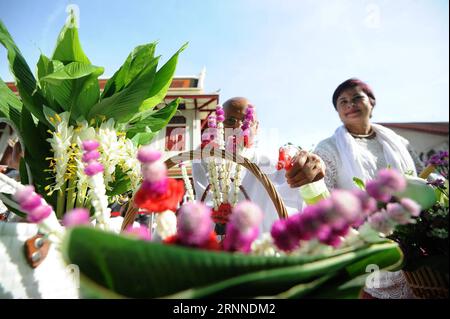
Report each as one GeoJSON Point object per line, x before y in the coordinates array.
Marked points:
{"type": "Point", "coordinates": [155, 121]}
{"type": "Point", "coordinates": [74, 87]}
{"type": "Point", "coordinates": [10, 105]}
{"type": "Point", "coordinates": [157, 270]}
{"type": "Point", "coordinates": [162, 82]}
{"type": "Point", "coordinates": [137, 60]}
{"type": "Point", "coordinates": [31, 96]}
{"type": "Point", "coordinates": [68, 48]}
{"type": "Point", "coordinates": [123, 105]}
{"type": "Point", "coordinates": [46, 66]}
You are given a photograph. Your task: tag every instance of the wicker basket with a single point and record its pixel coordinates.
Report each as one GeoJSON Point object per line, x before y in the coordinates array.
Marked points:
{"type": "Point", "coordinates": [427, 283]}
{"type": "Point", "coordinates": [197, 155]}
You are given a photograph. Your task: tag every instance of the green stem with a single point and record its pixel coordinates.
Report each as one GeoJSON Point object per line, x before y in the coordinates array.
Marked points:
{"type": "Point", "coordinates": [81, 196]}
{"type": "Point", "coordinates": [61, 201]}
{"type": "Point", "coordinates": [70, 202]}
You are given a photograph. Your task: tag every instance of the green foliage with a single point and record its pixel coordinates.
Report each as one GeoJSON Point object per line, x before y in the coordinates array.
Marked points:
{"type": "Point", "coordinates": [159, 270]}
{"type": "Point", "coordinates": [68, 82]}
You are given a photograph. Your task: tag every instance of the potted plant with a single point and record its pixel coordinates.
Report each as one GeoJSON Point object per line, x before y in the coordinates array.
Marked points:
{"type": "Point", "coordinates": [425, 242]}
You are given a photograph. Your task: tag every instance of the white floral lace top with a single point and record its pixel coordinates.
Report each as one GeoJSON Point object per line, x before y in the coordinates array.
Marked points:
{"type": "Point", "coordinates": [391, 285]}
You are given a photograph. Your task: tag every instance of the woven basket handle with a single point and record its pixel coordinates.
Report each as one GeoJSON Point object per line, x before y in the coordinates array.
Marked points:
{"type": "Point", "coordinates": [238, 159]}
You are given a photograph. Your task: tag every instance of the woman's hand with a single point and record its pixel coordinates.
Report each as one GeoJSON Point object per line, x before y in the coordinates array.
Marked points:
{"type": "Point", "coordinates": [307, 168]}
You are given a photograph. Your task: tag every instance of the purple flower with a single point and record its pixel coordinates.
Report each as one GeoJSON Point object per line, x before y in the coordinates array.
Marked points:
{"type": "Point", "coordinates": [90, 156]}
{"type": "Point", "coordinates": [378, 191]}
{"type": "Point", "coordinates": [140, 232]}
{"type": "Point", "coordinates": [236, 240]}
{"type": "Point", "coordinates": [439, 159]}
{"type": "Point", "coordinates": [219, 111]}
{"type": "Point", "coordinates": [381, 222]}
{"type": "Point", "coordinates": [39, 213]}
{"type": "Point", "coordinates": [282, 238]}
{"type": "Point", "coordinates": [77, 216]}
{"type": "Point", "coordinates": [93, 168]}
{"type": "Point", "coordinates": [194, 224]}
{"type": "Point", "coordinates": [439, 182]}
{"type": "Point", "coordinates": [398, 213]}
{"type": "Point", "coordinates": [220, 118]}
{"type": "Point", "coordinates": [313, 220]}
{"type": "Point", "coordinates": [147, 154]}
{"type": "Point", "coordinates": [411, 206]}
{"type": "Point", "coordinates": [333, 241]}
{"type": "Point", "coordinates": [368, 206]}
{"type": "Point", "coordinates": [212, 123]}
{"type": "Point", "coordinates": [90, 145]}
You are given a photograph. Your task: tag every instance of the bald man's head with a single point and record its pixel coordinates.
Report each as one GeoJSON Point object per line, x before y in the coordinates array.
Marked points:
{"type": "Point", "coordinates": [234, 109]}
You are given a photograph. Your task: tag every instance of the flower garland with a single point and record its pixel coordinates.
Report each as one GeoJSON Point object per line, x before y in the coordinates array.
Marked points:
{"type": "Point", "coordinates": [94, 169]}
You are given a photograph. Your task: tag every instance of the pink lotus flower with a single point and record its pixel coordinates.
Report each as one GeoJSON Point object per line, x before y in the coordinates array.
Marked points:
{"type": "Point", "coordinates": [77, 216]}
{"type": "Point", "coordinates": [30, 203]}
{"type": "Point", "coordinates": [23, 193]}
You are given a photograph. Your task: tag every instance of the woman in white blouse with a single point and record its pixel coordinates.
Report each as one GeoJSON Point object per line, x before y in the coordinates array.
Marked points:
{"type": "Point", "coordinates": [360, 148]}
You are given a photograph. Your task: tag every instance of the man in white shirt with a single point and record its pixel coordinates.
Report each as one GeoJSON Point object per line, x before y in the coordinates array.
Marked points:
{"type": "Point", "coordinates": [235, 110]}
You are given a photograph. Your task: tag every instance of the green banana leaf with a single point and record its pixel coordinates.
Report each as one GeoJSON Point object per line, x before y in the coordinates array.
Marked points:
{"type": "Point", "coordinates": [155, 121]}
{"type": "Point", "coordinates": [10, 105]}
{"type": "Point", "coordinates": [137, 60]}
{"type": "Point", "coordinates": [123, 105]}
{"type": "Point", "coordinates": [31, 96]}
{"type": "Point", "coordinates": [161, 84]}
{"type": "Point", "coordinates": [68, 48]}
{"type": "Point", "coordinates": [73, 87]}
{"type": "Point", "coordinates": [134, 268]}
{"type": "Point", "coordinates": [45, 66]}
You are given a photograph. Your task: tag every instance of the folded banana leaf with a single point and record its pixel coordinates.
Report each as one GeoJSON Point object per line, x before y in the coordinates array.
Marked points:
{"type": "Point", "coordinates": [117, 266]}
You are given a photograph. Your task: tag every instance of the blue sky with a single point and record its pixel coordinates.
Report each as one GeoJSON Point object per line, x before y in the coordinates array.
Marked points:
{"type": "Point", "coordinates": [286, 56]}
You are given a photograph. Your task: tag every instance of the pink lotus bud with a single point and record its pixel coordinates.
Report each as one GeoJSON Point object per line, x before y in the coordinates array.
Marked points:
{"type": "Point", "coordinates": [381, 223]}
{"type": "Point", "coordinates": [375, 189]}
{"type": "Point", "coordinates": [90, 156]}
{"type": "Point", "coordinates": [93, 168]}
{"type": "Point", "coordinates": [23, 193]}
{"type": "Point", "coordinates": [39, 213]}
{"type": "Point", "coordinates": [146, 154]}
{"type": "Point", "coordinates": [392, 179]}
{"type": "Point", "coordinates": [77, 216]}
{"type": "Point", "coordinates": [398, 213]}
{"type": "Point", "coordinates": [194, 224]}
{"type": "Point", "coordinates": [155, 171]}
{"type": "Point", "coordinates": [411, 206]}
{"type": "Point", "coordinates": [246, 215]}
{"type": "Point", "coordinates": [90, 145]}
{"type": "Point", "coordinates": [30, 203]}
